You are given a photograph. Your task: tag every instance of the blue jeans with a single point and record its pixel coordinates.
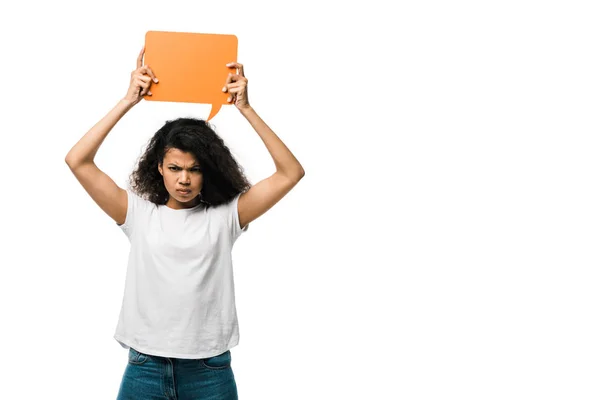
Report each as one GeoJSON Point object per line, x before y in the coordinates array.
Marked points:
{"type": "Point", "coordinates": [150, 377]}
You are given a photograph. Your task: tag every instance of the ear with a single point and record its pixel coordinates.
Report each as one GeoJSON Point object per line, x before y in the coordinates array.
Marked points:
{"type": "Point", "coordinates": [160, 168]}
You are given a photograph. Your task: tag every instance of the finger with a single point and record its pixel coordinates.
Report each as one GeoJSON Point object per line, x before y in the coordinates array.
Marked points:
{"type": "Point", "coordinates": [146, 69]}
{"type": "Point", "coordinates": [146, 85]}
{"type": "Point", "coordinates": [141, 57]}
{"type": "Point", "coordinates": [236, 84]}
{"type": "Point", "coordinates": [236, 89]}
{"type": "Point", "coordinates": [234, 79]}
{"type": "Point", "coordinates": [227, 82]}
{"type": "Point", "coordinates": [237, 78]}
{"type": "Point", "coordinates": [144, 78]}
{"type": "Point", "coordinates": [145, 89]}
{"type": "Point", "coordinates": [139, 84]}
{"type": "Point", "coordinates": [143, 85]}
{"type": "Point", "coordinates": [233, 95]}
{"type": "Point", "coordinates": [239, 67]}
{"type": "Point", "coordinates": [240, 78]}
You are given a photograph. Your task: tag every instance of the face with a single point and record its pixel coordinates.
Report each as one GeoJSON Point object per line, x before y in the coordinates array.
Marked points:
{"type": "Point", "coordinates": [180, 170]}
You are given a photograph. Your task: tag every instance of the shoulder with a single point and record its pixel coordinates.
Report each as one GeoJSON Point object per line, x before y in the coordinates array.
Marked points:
{"type": "Point", "coordinates": [228, 212]}
{"type": "Point", "coordinates": [137, 202]}
{"type": "Point", "coordinates": [225, 207]}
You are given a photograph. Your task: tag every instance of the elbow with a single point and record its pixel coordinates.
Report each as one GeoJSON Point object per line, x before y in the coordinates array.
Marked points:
{"type": "Point", "coordinates": [298, 175]}
{"type": "Point", "coordinates": [70, 162]}
{"type": "Point", "coordinates": [73, 164]}
{"type": "Point", "coordinates": [293, 174]}
{"type": "Point", "coordinates": [69, 158]}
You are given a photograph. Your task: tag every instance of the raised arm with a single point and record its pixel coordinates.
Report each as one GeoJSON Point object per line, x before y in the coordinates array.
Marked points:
{"type": "Point", "coordinates": [80, 159]}
{"type": "Point", "coordinates": [266, 193]}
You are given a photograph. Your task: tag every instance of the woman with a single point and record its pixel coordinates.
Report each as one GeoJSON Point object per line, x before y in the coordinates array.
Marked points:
{"type": "Point", "coordinates": [188, 204]}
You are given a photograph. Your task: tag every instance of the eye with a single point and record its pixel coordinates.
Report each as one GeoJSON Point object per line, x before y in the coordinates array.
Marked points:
{"type": "Point", "coordinates": [177, 168]}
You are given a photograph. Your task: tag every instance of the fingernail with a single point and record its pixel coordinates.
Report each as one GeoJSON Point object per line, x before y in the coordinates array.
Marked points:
{"type": "Point", "coordinates": [149, 93]}
{"type": "Point", "coordinates": [155, 80]}
{"type": "Point", "coordinates": [224, 89]}
{"type": "Point", "coordinates": [228, 99]}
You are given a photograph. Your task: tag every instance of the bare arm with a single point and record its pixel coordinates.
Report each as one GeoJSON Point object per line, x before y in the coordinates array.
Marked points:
{"type": "Point", "coordinates": [285, 162]}
{"type": "Point", "coordinates": [80, 159]}
{"type": "Point", "coordinates": [102, 189]}
{"type": "Point", "coordinates": [288, 171]}
{"type": "Point", "coordinates": [86, 148]}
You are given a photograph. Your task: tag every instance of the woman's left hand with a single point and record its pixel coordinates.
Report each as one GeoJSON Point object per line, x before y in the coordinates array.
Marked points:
{"type": "Point", "coordinates": [237, 87]}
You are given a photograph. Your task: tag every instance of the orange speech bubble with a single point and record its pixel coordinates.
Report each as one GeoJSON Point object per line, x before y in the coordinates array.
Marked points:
{"type": "Point", "coordinates": [190, 67]}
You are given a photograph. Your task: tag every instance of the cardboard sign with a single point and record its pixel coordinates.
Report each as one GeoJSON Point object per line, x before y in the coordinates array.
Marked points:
{"type": "Point", "coordinates": [190, 67]}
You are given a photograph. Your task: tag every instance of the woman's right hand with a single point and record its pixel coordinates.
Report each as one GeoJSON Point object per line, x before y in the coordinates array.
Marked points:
{"type": "Point", "coordinates": [141, 80]}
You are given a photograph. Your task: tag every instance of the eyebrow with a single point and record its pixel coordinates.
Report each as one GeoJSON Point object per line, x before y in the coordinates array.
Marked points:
{"type": "Point", "coordinates": [176, 165]}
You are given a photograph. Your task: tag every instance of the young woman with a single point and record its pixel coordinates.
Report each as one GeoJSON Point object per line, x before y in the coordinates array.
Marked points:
{"type": "Point", "coordinates": [188, 203]}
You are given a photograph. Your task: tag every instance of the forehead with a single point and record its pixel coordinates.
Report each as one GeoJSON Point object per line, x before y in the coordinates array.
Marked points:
{"type": "Point", "coordinates": [177, 156]}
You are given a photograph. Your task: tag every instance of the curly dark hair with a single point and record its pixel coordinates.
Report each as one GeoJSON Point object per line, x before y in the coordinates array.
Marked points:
{"type": "Point", "coordinates": [223, 178]}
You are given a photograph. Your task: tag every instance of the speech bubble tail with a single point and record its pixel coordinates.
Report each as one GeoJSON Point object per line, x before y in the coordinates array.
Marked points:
{"type": "Point", "coordinates": [213, 111]}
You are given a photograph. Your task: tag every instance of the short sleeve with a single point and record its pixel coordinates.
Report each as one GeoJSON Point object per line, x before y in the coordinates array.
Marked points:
{"type": "Point", "coordinates": [135, 208]}
{"type": "Point", "coordinates": [233, 218]}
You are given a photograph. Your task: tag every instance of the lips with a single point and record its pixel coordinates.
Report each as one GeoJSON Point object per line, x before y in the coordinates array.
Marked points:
{"type": "Point", "coordinates": [183, 191]}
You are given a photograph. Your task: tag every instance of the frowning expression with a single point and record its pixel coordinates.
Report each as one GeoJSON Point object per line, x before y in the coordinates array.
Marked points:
{"type": "Point", "coordinates": [182, 176]}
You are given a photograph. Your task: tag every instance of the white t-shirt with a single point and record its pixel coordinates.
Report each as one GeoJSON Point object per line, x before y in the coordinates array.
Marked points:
{"type": "Point", "coordinates": [179, 298]}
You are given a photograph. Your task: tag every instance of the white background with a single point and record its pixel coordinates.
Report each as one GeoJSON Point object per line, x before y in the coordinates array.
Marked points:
{"type": "Point", "coordinates": [442, 245]}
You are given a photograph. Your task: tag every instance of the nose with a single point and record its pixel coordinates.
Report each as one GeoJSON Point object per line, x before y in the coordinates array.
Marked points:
{"type": "Point", "coordinates": [184, 179]}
